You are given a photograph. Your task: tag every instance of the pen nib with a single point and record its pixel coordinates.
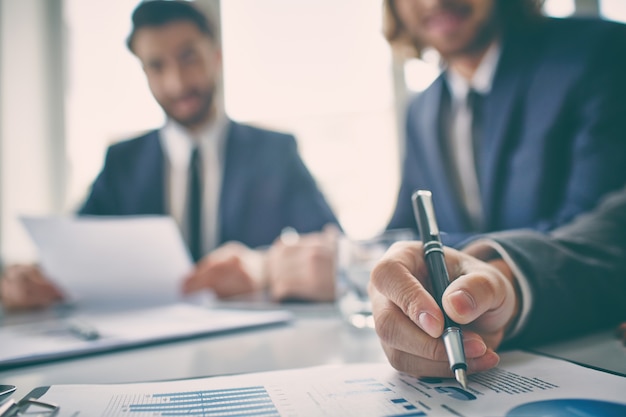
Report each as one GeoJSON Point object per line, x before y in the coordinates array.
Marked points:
{"type": "Point", "coordinates": [461, 377]}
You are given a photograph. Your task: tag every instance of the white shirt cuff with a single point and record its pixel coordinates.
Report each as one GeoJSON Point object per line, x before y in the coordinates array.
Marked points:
{"type": "Point", "coordinates": [486, 249]}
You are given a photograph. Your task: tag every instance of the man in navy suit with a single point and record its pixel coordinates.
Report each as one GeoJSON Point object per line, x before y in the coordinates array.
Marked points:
{"type": "Point", "coordinates": [546, 143]}
{"type": "Point", "coordinates": [229, 186]}
{"type": "Point", "coordinates": [524, 128]}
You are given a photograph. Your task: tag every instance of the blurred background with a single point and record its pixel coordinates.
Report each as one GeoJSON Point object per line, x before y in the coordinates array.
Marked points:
{"type": "Point", "coordinates": [319, 69]}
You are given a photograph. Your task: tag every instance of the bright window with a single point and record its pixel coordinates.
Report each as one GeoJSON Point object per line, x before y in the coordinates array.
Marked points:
{"type": "Point", "coordinates": [613, 9]}
{"type": "Point", "coordinates": [559, 8]}
{"type": "Point", "coordinates": [321, 70]}
{"type": "Point", "coordinates": [107, 95]}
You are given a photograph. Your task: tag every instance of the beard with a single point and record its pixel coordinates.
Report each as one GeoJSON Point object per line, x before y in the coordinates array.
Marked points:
{"type": "Point", "coordinates": [194, 118]}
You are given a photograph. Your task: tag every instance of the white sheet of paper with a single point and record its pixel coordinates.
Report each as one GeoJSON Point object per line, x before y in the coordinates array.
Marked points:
{"type": "Point", "coordinates": [127, 259]}
{"type": "Point", "coordinates": [54, 339]}
{"type": "Point", "coordinates": [523, 384]}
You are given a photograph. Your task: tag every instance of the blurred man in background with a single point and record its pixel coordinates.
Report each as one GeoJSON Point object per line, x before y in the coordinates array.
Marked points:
{"type": "Point", "coordinates": [230, 187]}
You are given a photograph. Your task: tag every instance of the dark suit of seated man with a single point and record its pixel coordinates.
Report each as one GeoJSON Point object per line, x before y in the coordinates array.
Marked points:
{"type": "Point", "coordinates": [265, 186]}
{"type": "Point", "coordinates": [525, 126]}
{"type": "Point", "coordinates": [230, 187]}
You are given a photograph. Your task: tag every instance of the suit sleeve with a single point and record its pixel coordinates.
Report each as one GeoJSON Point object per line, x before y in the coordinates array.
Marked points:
{"type": "Point", "coordinates": [101, 200]}
{"type": "Point", "coordinates": [599, 125]}
{"type": "Point", "coordinates": [577, 274]}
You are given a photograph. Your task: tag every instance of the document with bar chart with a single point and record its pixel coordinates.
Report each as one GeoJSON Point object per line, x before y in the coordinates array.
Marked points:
{"type": "Point", "coordinates": [524, 384]}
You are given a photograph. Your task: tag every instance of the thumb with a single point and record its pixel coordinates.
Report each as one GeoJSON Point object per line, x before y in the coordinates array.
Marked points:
{"type": "Point", "coordinates": [484, 298]}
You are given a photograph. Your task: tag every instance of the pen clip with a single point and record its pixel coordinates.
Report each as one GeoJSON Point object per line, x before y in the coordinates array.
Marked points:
{"type": "Point", "coordinates": [425, 214]}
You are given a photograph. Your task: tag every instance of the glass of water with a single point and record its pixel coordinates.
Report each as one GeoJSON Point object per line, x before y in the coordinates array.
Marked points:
{"type": "Point", "coordinates": [357, 258]}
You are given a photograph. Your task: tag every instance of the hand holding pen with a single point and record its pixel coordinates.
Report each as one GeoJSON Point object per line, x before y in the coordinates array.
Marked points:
{"type": "Point", "coordinates": [436, 264]}
{"type": "Point", "coordinates": [410, 322]}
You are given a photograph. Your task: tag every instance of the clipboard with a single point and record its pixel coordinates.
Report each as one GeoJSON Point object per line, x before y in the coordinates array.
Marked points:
{"type": "Point", "coordinates": [43, 341]}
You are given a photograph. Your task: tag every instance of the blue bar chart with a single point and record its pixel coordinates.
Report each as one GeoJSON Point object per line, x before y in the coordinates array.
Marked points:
{"type": "Point", "coordinates": [350, 397]}
{"type": "Point", "coordinates": [238, 402]}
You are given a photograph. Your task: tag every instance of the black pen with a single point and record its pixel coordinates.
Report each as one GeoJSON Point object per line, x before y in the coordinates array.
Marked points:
{"type": "Point", "coordinates": [436, 264]}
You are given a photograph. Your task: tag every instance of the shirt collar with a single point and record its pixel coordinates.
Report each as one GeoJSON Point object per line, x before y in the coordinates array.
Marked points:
{"type": "Point", "coordinates": [482, 80]}
{"type": "Point", "coordinates": [178, 142]}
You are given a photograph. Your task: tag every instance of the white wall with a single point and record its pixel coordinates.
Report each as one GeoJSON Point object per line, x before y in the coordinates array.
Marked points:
{"type": "Point", "coordinates": [323, 71]}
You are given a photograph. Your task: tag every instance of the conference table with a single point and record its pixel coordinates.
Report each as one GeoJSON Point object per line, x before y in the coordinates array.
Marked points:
{"type": "Point", "coordinates": [317, 335]}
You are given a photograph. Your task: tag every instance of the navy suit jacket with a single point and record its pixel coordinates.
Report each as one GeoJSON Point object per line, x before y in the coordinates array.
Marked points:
{"type": "Point", "coordinates": [265, 186]}
{"type": "Point", "coordinates": [554, 132]}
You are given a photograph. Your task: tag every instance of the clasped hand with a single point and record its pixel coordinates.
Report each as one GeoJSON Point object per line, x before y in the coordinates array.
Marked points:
{"type": "Point", "coordinates": [302, 269]}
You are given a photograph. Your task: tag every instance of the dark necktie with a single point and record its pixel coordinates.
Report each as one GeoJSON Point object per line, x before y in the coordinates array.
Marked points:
{"type": "Point", "coordinates": [475, 102]}
{"type": "Point", "coordinates": [194, 205]}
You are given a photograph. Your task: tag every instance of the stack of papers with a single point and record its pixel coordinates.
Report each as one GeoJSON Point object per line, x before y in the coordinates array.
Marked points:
{"type": "Point", "coordinates": [124, 275]}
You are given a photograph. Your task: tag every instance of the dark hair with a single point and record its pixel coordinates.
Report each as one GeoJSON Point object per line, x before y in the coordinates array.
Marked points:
{"type": "Point", "coordinates": [510, 14]}
{"type": "Point", "coordinates": [154, 13]}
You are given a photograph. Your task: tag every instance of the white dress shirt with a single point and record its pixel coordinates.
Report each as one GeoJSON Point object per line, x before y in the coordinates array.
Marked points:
{"type": "Point", "coordinates": [178, 143]}
{"type": "Point", "coordinates": [460, 143]}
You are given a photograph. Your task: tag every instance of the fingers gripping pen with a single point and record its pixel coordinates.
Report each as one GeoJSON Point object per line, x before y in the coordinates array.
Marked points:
{"type": "Point", "coordinates": [435, 262]}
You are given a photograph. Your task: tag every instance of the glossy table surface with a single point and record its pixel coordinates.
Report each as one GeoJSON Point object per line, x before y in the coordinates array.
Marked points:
{"type": "Point", "coordinates": [317, 335]}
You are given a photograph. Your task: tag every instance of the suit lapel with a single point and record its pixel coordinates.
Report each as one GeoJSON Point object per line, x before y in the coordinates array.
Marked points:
{"type": "Point", "coordinates": [233, 182]}
{"type": "Point", "coordinates": [152, 176]}
{"type": "Point", "coordinates": [501, 108]}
